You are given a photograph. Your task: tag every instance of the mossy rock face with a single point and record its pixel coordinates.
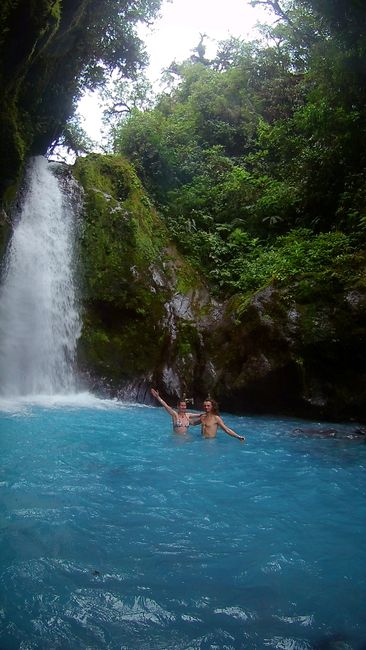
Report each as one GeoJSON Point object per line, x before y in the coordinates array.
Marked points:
{"type": "Point", "coordinates": [333, 345]}
{"type": "Point", "coordinates": [284, 356]}
{"type": "Point", "coordinates": [120, 236]}
{"type": "Point", "coordinates": [142, 303]}
{"type": "Point", "coordinates": [5, 232]}
{"type": "Point", "coordinates": [148, 319]}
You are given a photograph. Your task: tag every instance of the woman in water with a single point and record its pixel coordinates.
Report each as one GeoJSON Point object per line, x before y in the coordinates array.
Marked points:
{"type": "Point", "coordinates": [180, 418]}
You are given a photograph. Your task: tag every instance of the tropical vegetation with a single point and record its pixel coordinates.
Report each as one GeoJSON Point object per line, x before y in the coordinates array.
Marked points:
{"type": "Point", "coordinates": [256, 158]}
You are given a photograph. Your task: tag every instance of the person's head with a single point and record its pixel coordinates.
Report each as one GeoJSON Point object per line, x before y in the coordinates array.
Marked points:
{"type": "Point", "coordinates": [210, 406]}
{"type": "Point", "coordinates": [182, 406]}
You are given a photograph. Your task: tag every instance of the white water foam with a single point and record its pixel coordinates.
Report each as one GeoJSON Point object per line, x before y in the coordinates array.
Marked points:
{"type": "Point", "coordinates": [84, 400]}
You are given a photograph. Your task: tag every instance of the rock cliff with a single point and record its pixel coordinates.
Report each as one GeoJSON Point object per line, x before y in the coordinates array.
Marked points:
{"type": "Point", "coordinates": [149, 318]}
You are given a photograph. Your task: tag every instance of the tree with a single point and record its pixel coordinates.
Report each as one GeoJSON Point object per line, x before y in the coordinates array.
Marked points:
{"type": "Point", "coordinates": [263, 141]}
{"type": "Point", "coordinates": [50, 52]}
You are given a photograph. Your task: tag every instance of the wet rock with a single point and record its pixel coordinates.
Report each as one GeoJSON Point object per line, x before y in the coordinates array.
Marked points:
{"type": "Point", "coordinates": [329, 433]}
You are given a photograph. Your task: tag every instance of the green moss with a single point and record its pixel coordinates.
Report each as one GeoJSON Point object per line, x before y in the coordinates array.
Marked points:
{"type": "Point", "coordinates": [14, 144]}
{"type": "Point", "coordinates": [121, 237]}
{"type": "Point", "coordinates": [10, 196]}
{"type": "Point", "coordinates": [120, 346]}
{"type": "Point", "coordinates": [55, 10]}
{"type": "Point", "coordinates": [187, 279]}
{"type": "Point", "coordinates": [318, 287]}
{"type": "Point", "coordinates": [131, 270]}
{"type": "Point", "coordinates": [5, 232]}
{"type": "Point", "coordinates": [111, 174]}
{"type": "Point", "coordinates": [187, 339]}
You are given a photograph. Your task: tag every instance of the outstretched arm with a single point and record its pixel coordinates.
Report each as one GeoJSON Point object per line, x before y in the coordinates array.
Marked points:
{"type": "Point", "coordinates": [194, 418]}
{"type": "Point", "coordinates": [227, 429]}
{"type": "Point", "coordinates": [168, 408]}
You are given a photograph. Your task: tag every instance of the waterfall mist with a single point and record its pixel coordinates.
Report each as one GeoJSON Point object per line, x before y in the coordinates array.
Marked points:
{"type": "Point", "coordinates": [39, 316]}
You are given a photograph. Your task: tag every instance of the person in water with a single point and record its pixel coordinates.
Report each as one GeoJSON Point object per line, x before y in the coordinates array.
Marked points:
{"type": "Point", "coordinates": [210, 420]}
{"type": "Point", "coordinates": [180, 418]}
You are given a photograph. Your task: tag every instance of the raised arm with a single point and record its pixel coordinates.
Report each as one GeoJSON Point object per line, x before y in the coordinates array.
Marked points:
{"type": "Point", "coordinates": [168, 408]}
{"type": "Point", "coordinates": [227, 429]}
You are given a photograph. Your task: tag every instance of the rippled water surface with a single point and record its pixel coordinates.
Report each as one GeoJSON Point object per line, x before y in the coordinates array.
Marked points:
{"type": "Point", "coordinates": [118, 534]}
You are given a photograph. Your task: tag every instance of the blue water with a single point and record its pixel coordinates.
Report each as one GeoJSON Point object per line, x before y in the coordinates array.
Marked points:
{"type": "Point", "coordinates": [118, 534]}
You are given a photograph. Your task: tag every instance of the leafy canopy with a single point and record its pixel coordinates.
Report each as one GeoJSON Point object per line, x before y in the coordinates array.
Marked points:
{"type": "Point", "coordinates": [257, 158]}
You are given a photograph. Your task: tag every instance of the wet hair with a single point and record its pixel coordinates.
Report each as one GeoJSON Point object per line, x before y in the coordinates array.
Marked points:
{"type": "Point", "coordinates": [215, 406]}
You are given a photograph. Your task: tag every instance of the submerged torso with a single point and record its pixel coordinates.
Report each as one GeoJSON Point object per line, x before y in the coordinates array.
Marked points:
{"type": "Point", "coordinates": [209, 426]}
{"type": "Point", "coordinates": [181, 423]}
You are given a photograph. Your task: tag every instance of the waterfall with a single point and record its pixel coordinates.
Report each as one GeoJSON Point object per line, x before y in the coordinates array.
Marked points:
{"type": "Point", "coordinates": [39, 317]}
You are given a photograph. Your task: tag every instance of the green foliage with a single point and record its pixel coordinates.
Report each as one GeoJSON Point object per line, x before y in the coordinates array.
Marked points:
{"type": "Point", "coordinates": [121, 98]}
{"type": "Point", "coordinates": [50, 52]}
{"type": "Point", "coordinates": [298, 254]}
{"type": "Point", "coordinates": [73, 140]}
{"type": "Point", "coordinates": [256, 159]}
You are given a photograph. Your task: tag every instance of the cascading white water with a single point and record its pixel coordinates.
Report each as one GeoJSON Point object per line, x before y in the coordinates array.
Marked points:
{"type": "Point", "coordinates": [39, 317]}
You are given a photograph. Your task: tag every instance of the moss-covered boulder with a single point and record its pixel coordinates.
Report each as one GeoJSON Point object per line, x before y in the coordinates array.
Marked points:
{"type": "Point", "coordinates": [144, 306]}
{"type": "Point", "coordinates": [289, 351]}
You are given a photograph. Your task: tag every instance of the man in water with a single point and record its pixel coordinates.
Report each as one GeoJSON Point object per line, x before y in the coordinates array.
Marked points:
{"type": "Point", "coordinates": [180, 418]}
{"type": "Point", "coordinates": [210, 421]}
